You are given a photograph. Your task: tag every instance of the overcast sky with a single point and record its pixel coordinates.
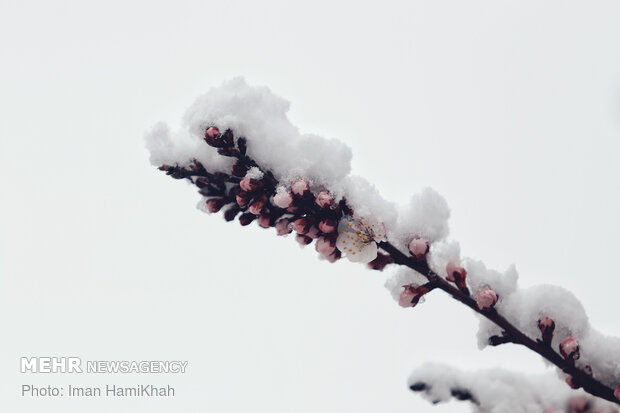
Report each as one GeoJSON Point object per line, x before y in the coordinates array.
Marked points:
{"type": "Point", "coordinates": [510, 109]}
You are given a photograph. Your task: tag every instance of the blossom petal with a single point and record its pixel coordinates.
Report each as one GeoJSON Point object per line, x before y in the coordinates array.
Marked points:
{"type": "Point", "coordinates": [365, 254]}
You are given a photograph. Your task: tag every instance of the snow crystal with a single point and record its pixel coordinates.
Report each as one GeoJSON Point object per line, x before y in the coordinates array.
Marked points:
{"type": "Point", "coordinates": [254, 173]}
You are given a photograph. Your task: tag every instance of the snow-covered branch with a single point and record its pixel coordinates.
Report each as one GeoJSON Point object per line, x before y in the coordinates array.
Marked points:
{"type": "Point", "coordinates": [503, 391]}
{"type": "Point", "coordinates": [250, 162]}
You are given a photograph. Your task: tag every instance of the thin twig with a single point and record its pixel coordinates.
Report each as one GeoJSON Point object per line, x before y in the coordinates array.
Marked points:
{"type": "Point", "coordinates": [589, 383]}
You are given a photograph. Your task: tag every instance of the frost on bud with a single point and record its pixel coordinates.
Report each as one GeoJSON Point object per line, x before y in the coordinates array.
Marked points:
{"type": "Point", "coordinates": [486, 299]}
{"type": "Point", "coordinates": [303, 240]}
{"type": "Point", "coordinates": [257, 206]}
{"type": "Point", "coordinates": [380, 262]}
{"type": "Point", "coordinates": [283, 198]}
{"type": "Point", "coordinates": [250, 184]}
{"type": "Point", "coordinates": [302, 225]}
{"type": "Point", "coordinates": [546, 326]}
{"type": "Point", "coordinates": [264, 221]}
{"type": "Point", "coordinates": [300, 187]}
{"type": "Point", "coordinates": [246, 219]}
{"type": "Point", "coordinates": [327, 226]}
{"type": "Point", "coordinates": [617, 393]}
{"type": "Point", "coordinates": [212, 136]}
{"type": "Point", "coordinates": [569, 348]}
{"type": "Point", "coordinates": [418, 247]}
{"type": "Point", "coordinates": [325, 246]}
{"type": "Point", "coordinates": [409, 297]}
{"type": "Point", "coordinates": [214, 205]}
{"type": "Point", "coordinates": [324, 199]}
{"type": "Point", "coordinates": [283, 227]}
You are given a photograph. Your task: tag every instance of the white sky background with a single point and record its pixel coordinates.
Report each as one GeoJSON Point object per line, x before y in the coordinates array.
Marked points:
{"type": "Point", "coordinates": [510, 109]}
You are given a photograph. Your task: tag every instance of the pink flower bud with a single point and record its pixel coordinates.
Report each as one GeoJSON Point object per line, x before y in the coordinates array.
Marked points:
{"type": "Point", "coordinates": [300, 187]}
{"type": "Point", "coordinates": [327, 226]}
{"type": "Point", "coordinates": [313, 232]}
{"type": "Point", "coordinates": [617, 393]}
{"type": "Point", "coordinates": [250, 184]}
{"type": "Point", "coordinates": [546, 323]}
{"type": "Point", "coordinates": [257, 206]}
{"type": "Point", "coordinates": [380, 262]}
{"type": "Point", "coordinates": [325, 246]}
{"type": "Point", "coordinates": [333, 257]}
{"type": "Point", "coordinates": [231, 212]}
{"type": "Point", "coordinates": [409, 297]}
{"type": "Point", "coordinates": [283, 199]}
{"type": "Point", "coordinates": [578, 404]}
{"type": "Point", "coordinates": [302, 239]}
{"type": "Point", "coordinates": [264, 221]}
{"type": "Point", "coordinates": [214, 205]}
{"type": "Point", "coordinates": [242, 198]}
{"type": "Point", "coordinates": [302, 225]}
{"type": "Point", "coordinates": [455, 273]}
{"type": "Point", "coordinates": [546, 326]}
{"type": "Point", "coordinates": [486, 299]}
{"type": "Point", "coordinates": [212, 133]}
{"type": "Point", "coordinates": [571, 382]}
{"type": "Point", "coordinates": [418, 247]}
{"type": "Point", "coordinates": [283, 227]}
{"type": "Point", "coordinates": [569, 348]}
{"type": "Point", "coordinates": [324, 199]}
{"type": "Point", "coordinates": [246, 219]}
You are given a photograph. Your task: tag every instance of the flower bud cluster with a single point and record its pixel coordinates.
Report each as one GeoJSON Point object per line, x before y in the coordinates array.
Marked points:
{"type": "Point", "coordinates": [248, 193]}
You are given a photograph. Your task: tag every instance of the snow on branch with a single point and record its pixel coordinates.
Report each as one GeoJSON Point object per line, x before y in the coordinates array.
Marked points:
{"type": "Point", "coordinates": [248, 161]}
{"type": "Point", "coordinates": [503, 391]}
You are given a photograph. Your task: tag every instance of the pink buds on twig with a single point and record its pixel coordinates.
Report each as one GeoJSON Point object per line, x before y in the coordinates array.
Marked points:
{"type": "Point", "coordinates": [283, 199]}
{"type": "Point", "coordinates": [324, 199]}
{"type": "Point", "coordinates": [457, 275]}
{"type": "Point", "coordinates": [546, 326]}
{"type": "Point", "coordinates": [300, 187]}
{"type": "Point", "coordinates": [569, 348]}
{"type": "Point", "coordinates": [418, 247]}
{"type": "Point", "coordinates": [214, 205]}
{"type": "Point", "coordinates": [327, 226]}
{"type": "Point", "coordinates": [486, 299]}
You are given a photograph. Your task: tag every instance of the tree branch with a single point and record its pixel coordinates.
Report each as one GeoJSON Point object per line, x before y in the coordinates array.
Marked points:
{"type": "Point", "coordinates": [589, 383]}
{"type": "Point", "coordinates": [227, 189]}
